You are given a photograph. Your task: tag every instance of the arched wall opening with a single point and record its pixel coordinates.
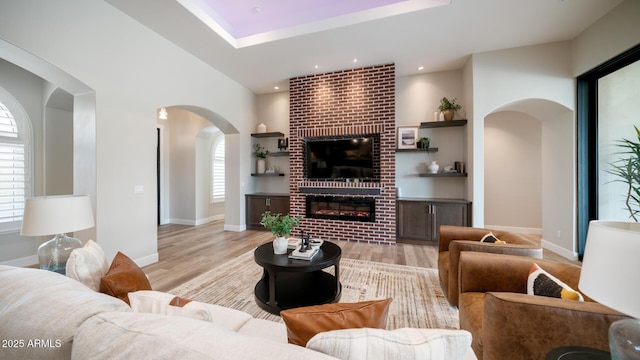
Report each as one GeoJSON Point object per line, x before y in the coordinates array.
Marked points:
{"type": "Point", "coordinates": [185, 142]}
{"type": "Point", "coordinates": [552, 155]}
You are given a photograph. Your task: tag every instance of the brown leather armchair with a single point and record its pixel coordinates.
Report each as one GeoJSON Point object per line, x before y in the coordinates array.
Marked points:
{"type": "Point", "coordinates": [506, 323]}
{"type": "Point", "coordinates": [455, 239]}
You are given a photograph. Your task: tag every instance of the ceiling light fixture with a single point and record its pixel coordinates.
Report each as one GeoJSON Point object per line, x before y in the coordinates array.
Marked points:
{"type": "Point", "coordinates": [276, 87]}
{"type": "Point", "coordinates": [420, 68]}
{"type": "Point", "coordinates": [162, 114]}
{"type": "Point", "coordinates": [355, 61]}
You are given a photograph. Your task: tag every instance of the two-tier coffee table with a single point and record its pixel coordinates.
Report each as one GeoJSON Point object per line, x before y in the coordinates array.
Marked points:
{"type": "Point", "coordinates": [290, 283]}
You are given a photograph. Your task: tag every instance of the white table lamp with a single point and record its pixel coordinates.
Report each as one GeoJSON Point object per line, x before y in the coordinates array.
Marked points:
{"type": "Point", "coordinates": [610, 266]}
{"type": "Point", "coordinates": [47, 215]}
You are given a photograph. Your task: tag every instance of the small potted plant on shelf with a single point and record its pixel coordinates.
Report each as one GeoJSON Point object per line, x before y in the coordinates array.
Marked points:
{"type": "Point", "coordinates": [280, 226]}
{"type": "Point", "coordinates": [449, 107]}
{"type": "Point", "coordinates": [261, 154]}
{"type": "Point", "coordinates": [423, 143]}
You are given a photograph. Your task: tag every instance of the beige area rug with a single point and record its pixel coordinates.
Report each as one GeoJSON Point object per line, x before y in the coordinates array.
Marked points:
{"type": "Point", "coordinates": [418, 300]}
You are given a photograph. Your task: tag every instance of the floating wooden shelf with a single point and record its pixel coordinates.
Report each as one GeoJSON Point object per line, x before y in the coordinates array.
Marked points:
{"type": "Point", "coordinates": [268, 174]}
{"type": "Point", "coordinates": [417, 150]}
{"type": "Point", "coordinates": [438, 124]}
{"type": "Point", "coordinates": [443, 174]}
{"type": "Point", "coordinates": [278, 153]}
{"type": "Point", "coordinates": [267, 134]}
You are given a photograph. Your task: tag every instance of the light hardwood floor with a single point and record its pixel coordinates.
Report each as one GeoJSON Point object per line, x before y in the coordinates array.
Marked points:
{"type": "Point", "coordinates": [188, 251]}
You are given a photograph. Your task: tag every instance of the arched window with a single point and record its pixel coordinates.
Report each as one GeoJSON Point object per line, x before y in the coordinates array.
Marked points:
{"type": "Point", "coordinates": [14, 168]}
{"type": "Point", "coordinates": [217, 170]}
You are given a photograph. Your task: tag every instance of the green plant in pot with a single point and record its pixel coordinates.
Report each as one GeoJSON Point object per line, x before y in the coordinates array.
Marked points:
{"type": "Point", "coordinates": [628, 170]}
{"type": "Point", "coordinates": [423, 143]}
{"type": "Point", "coordinates": [449, 107]}
{"type": "Point", "coordinates": [280, 226]}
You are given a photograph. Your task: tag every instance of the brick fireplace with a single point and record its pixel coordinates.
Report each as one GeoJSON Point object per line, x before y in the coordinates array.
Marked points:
{"type": "Point", "coordinates": [349, 102]}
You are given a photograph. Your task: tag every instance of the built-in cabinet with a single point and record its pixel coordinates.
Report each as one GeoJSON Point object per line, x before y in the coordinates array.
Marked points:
{"type": "Point", "coordinates": [257, 204]}
{"type": "Point", "coordinates": [418, 220]}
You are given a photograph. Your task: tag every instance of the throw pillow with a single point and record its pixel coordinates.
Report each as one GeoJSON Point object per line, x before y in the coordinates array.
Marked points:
{"type": "Point", "coordinates": [305, 322]}
{"type": "Point", "coordinates": [87, 265]}
{"type": "Point", "coordinates": [423, 344]}
{"type": "Point", "coordinates": [490, 238]}
{"type": "Point", "coordinates": [542, 283]}
{"type": "Point", "coordinates": [123, 277]}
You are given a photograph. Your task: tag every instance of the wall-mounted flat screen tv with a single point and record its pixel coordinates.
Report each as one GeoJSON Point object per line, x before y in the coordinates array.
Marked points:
{"type": "Point", "coordinates": [342, 158]}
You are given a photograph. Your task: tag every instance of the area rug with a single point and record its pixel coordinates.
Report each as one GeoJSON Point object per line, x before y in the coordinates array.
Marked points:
{"type": "Point", "coordinates": [418, 300]}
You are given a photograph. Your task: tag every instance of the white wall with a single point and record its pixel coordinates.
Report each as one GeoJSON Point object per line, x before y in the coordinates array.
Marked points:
{"type": "Point", "coordinates": [534, 80]}
{"type": "Point", "coordinates": [417, 98]}
{"type": "Point", "coordinates": [133, 71]}
{"type": "Point", "coordinates": [513, 180]}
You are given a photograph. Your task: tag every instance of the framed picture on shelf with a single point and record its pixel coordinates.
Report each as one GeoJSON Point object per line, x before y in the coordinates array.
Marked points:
{"type": "Point", "coordinates": [407, 137]}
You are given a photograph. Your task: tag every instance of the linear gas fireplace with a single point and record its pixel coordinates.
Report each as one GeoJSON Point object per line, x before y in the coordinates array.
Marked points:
{"type": "Point", "coordinates": [341, 208]}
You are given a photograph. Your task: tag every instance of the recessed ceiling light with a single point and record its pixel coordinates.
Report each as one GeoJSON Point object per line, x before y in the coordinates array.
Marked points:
{"type": "Point", "coordinates": [420, 68]}
{"type": "Point", "coordinates": [316, 66]}
{"type": "Point", "coordinates": [355, 60]}
{"type": "Point", "coordinates": [277, 87]}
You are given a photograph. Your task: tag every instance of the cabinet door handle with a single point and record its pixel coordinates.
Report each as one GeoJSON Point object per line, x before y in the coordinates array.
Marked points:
{"type": "Point", "coordinates": [268, 201]}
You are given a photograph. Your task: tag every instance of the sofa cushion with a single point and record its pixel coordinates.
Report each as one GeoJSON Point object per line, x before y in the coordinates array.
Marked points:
{"type": "Point", "coordinates": [88, 265]}
{"type": "Point", "coordinates": [123, 277]}
{"type": "Point", "coordinates": [542, 283]}
{"type": "Point", "coordinates": [156, 302]}
{"type": "Point", "coordinates": [424, 344]}
{"type": "Point", "coordinates": [44, 305]}
{"type": "Point", "coordinates": [305, 322]}
{"type": "Point", "coordinates": [149, 336]}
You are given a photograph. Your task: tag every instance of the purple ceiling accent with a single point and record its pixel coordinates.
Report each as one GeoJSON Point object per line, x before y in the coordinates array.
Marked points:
{"type": "Point", "coordinates": [244, 19]}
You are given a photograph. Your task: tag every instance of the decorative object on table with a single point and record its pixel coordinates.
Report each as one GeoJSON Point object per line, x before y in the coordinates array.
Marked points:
{"type": "Point", "coordinates": [283, 144]}
{"type": "Point", "coordinates": [280, 226]}
{"type": "Point", "coordinates": [448, 108]}
{"type": "Point", "coordinates": [46, 215]}
{"type": "Point", "coordinates": [423, 143]}
{"type": "Point", "coordinates": [407, 136]}
{"type": "Point", "coordinates": [459, 165]}
{"type": "Point", "coordinates": [627, 169]}
{"type": "Point", "coordinates": [433, 167]}
{"type": "Point", "coordinates": [262, 128]}
{"type": "Point", "coordinates": [261, 154]}
{"type": "Point", "coordinates": [609, 267]}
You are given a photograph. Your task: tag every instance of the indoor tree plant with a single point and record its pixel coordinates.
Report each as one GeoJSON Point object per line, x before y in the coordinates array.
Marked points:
{"type": "Point", "coordinates": [280, 226]}
{"type": "Point", "coordinates": [628, 170]}
{"type": "Point", "coordinates": [448, 107]}
{"type": "Point", "coordinates": [261, 154]}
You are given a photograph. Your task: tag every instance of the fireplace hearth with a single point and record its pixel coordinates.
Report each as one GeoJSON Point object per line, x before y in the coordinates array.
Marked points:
{"type": "Point", "coordinates": [340, 208]}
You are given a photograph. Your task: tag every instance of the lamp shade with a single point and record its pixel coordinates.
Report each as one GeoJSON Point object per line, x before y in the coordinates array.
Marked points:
{"type": "Point", "coordinates": [611, 265]}
{"type": "Point", "coordinates": [48, 215]}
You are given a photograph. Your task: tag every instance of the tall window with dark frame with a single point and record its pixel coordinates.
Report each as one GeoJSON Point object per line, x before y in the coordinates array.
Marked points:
{"type": "Point", "coordinates": [607, 111]}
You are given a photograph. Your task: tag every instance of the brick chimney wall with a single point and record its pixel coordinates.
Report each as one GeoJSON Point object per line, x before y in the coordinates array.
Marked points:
{"type": "Point", "coordinates": [355, 101]}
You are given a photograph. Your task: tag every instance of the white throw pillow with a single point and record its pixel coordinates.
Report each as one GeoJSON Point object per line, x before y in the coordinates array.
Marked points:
{"type": "Point", "coordinates": [88, 264]}
{"type": "Point", "coordinates": [406, 343]}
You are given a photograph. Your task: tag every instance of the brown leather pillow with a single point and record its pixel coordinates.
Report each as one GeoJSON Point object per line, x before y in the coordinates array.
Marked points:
{"type": "Point", "coordinates": [123, 277]}
{"type": "Point", "coordinates": [305, 322]}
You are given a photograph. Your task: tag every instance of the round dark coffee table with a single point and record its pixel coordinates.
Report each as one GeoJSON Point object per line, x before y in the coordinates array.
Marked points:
{"type": "Point", "coordinates": [290, 283]}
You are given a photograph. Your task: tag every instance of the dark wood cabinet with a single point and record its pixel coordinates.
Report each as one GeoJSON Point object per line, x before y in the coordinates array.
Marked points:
{"type": "Point", "coordinates": [257, 204]}
{"type": "Point", "coordinates": [418, 220]}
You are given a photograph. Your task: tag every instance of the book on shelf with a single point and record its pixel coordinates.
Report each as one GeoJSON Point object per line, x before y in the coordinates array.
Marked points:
{"type": "Point", "coordinates": [307, 255]}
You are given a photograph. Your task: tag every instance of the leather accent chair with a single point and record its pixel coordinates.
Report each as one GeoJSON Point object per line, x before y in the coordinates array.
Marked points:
{"type": "Point", "coordinates": [506, 323]}
{"type": "Point", "coordinates": [455, 239]}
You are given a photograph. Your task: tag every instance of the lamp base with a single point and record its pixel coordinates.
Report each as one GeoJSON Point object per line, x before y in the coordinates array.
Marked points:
{"type": "Point", "coordinates": [53, 254]}
{"type": "Point", "coordinates": [624, 339]}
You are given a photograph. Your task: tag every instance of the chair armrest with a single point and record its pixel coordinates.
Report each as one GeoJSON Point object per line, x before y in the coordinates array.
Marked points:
{"type": "Point", "coordinates": [516, 324]}
{"type": "Point", "coordinates": [483, 272]}
{"type": "Point", "coordinates": [459, 246]}
{"type": "Point", "coordinates": [449, 233]}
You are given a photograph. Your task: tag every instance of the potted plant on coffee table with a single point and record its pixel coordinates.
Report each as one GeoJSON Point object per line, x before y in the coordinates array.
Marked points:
{"type": "Point", "coordinates": [280, 226]}
{"type": "Point", "coordinates": [449, 107]}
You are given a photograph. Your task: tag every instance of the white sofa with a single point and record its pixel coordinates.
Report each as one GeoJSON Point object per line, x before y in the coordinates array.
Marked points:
{"type": "Point", "coordinates": [45, 315]}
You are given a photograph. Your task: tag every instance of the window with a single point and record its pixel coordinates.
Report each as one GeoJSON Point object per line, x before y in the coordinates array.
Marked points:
{"type": "Point", "coordinates": [13, 171]}
{"type": "Point", "coordinates": [217, 170]}
{"type": "Point", "coordinates": [607, 108]}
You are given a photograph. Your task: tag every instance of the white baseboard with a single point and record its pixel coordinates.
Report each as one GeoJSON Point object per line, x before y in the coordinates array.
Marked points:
{"type": "Point", "coordinates": [559, 250]}
{"type": "Point", "coordinates": [147, 260]}
{"type": "Point", "coordinates": [182, 222]}
{"type": "Point", "coordinates": [512, 229]}
{"type": "Point", "coordinates": [236, 228]}
{"type": "Point", "coordinates": [22, 262]}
